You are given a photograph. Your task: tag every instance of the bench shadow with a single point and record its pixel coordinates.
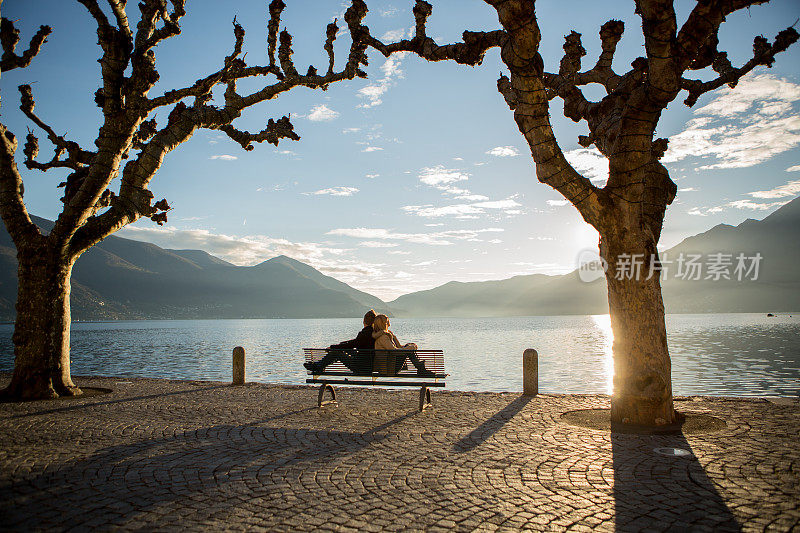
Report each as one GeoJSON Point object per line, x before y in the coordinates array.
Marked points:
{"type": "Point", "coordinates": [480, 434]}
{"type": "Point", "coordinates": [661, 492]}
{"type": "Point", "coordinates": [205, 474]}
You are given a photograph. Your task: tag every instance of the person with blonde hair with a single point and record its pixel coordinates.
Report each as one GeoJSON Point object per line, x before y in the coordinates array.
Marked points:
{"type": "Point", "coordinates": [386, 340]}
{"type": "Point", "coordinates": [358, 363]}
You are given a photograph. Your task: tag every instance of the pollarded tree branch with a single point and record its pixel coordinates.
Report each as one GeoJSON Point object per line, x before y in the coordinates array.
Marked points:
{"type": "Point", "coordinates": [330, 37]}
{"type": "Point", "coordinates": [468, 52]}
{"type": "Point", "coordinates": [282, 129]}
{"type": "Point", "coordinates": [9, 36]}
{"type": "Point", "coordinates": [763, 54]}
{"type": "Point", "coordinates": [564, 84]}
{"type": "Point", "coordinates": [134, 199]}
{"type": "Point", "coordinates": [602, 73]}
{"type": "Point", "coordinates": [291, 78]}
{"type": "Point", "coordinates": [142, 57]}
{"type": "Point", "coordinates": [97, 13]}
{"type": "Point", "coordinates": [25, 234]}
{"type": "Point", "coordinates": [526, 94]}
{"type": "Point", "coordinates": [117, 46]}
{"type": "Point", "coordinates": [276, 7]}
{"type": "Point", "coordinates": [12, 209]}
{"type": "Point", "coordinates": [118, 8]}
{"type": "Point", "coordinates": [153, 11]}
{"type": "Point", "coordinates": [702, 27]}
{"type": "Point", "coordinates": [659, 27]}
{"type": "Point", "coordinates": [285, 55]}
{"type": "Point", "coordinates": [76, 156]}
{"type": "Point", "coordinates": [235, 68]}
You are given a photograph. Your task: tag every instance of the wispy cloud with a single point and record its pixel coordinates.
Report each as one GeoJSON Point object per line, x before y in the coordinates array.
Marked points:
{"type": "Point", "coordinates": [557, 203]}
{"type": "Point", "coordinates": [471, 197]}
{"type": "Point", "coordinates": [439, 175]}
{"type": "Point", "coordinates": [247, 250]}
{"type": "Point", "coordinates": [747, 204]}
{"type": "Point", "coordinates": [741, 127]}
{"type": "Point", "coordinates": [351, 130]}
{"type": "Point", "coordinates": [590, 163]}
{"type": "Point", "coordinates": [688, 189]}
{"type": "Point", "coordinates": [378, 244]}
{"type": "Point", "coordinates": [335, 191]}
{"type": "Point", "coordinates": [373, 94]}
{"type": "Point", "coordinates": [705, 211]}
{"type": "Point", "coordinates": [737, 204]}
{"type": "Point", "coordinates": [443, 179]}
{"type": "Point", "coordinates": [791, 188]}
{"type": "Point", "coordinates": [795, 168]}
{"type": "Point", "coordinates": [440, 238]}
{"type": "Point", "coordinates": [322, 113]}
{"type": "Point", "coordinates": [395, 35]}
{"type": "Point", "coordinates": [372, 149]}
{"type": "Point", "coordinates": [464, 211]}
{"type": "Point", "coordinates": [224, 157]}
{"type": "Point", "coordinates": [503, 151]}
{"type": "Point", "coordinates": [372, 176]}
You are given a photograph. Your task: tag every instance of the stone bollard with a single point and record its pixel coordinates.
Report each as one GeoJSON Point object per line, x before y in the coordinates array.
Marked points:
{"type": "Point", "coordinates": [238, 366]}
{"type": "Point", "coordinates": [530, 372]}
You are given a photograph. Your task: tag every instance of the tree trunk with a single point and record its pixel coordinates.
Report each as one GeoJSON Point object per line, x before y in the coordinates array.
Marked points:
{"type": "Point", "coordinates": [41, 331]}
{"type": "Point", "coordinates": [642, 370]}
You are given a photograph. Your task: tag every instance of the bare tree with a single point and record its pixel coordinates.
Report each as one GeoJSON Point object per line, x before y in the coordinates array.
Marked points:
{"type": "Point", "coordinates": [128, 132]}
{"type": "Point", "coordinates": [628, 212]}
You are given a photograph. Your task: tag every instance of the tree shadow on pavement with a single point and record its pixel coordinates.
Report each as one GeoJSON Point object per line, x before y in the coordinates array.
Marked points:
{"type": "Point", "coordinates": [480, 434]}
{"type": "Point", "coordinates": [657, 491]}
{"type": "Point", "coordinates": [74, 407]}
{"type": "Point", "coordinates": [212, 475]}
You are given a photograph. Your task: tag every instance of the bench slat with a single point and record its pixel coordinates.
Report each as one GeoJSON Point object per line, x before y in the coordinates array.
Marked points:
{"type": "Point", "coordinates": [378, 383]}
{"type": "Point", "coordinates": [403, 374]}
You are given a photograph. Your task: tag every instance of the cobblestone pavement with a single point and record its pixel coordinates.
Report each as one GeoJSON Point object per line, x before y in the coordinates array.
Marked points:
{"type": "Point", "coordinates": [168, 455]}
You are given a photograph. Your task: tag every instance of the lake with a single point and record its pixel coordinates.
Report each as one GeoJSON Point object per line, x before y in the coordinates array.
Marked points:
{"type": "Point", "coordinates": [715, 354]}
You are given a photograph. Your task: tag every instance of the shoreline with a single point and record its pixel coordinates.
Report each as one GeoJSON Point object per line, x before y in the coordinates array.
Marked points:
{"type": "Point", "coordinates": [779, 400]}
{"type": "Point", "coordinates": [768, 314]}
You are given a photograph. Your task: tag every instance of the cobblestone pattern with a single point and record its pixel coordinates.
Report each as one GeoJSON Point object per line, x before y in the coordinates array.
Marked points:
{"type": "Point", "coordinates": [171, 455]}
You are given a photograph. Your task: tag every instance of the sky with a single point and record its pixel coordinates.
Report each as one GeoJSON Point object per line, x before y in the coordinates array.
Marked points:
{"type": "Point", "coordinates": [418, 175]}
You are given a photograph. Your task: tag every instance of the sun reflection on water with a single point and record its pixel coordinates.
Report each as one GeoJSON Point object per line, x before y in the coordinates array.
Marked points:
{"type": "Point", "coordinates": [603, 323]}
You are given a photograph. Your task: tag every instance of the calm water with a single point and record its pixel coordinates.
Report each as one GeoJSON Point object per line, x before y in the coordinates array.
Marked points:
{"type": "Point", "coordinates": [733, 354]}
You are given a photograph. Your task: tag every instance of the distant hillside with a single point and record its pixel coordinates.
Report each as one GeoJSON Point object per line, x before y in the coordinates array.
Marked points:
{"type": "Point", "coordinates": [778, 284]}
{"type": "Point", "coordinates": [777, 287]}
{"type": "Point", "coordinates": [122, 279]}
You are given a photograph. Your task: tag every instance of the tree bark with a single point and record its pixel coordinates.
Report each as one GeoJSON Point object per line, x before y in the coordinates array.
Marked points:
{"type": "Point", "coordinates": [642, 369]}
{"type": "Point", "coordinates": [41, 331]}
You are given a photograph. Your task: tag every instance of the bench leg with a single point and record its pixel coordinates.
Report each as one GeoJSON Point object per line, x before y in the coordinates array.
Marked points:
{"type": "Point", "coordinates": [424, 398]}
{"type": "Point", "coordinates": [322, 389]}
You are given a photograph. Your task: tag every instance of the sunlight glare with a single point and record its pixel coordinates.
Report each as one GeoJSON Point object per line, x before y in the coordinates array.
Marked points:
{"type": "Point", "coordinates": [603, 323]}
{"type": "Point", "coordinates": [585, 237]}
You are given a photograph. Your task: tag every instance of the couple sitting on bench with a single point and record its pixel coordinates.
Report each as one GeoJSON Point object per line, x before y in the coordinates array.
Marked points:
{"type": "Point", "coordinates": [375, 336]}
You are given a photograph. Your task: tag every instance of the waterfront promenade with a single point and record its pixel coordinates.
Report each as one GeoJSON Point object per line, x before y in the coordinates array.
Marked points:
{"type": "Point", "coordinates": [172, 455]}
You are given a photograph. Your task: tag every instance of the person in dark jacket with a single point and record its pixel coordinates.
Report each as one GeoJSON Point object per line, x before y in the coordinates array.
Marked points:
{"type": "Point", "coordinates": [358, 363]}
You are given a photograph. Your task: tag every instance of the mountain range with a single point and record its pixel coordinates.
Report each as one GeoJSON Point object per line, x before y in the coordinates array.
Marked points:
{"type": "Point", "coordinates": [776, 287]}
{"type": "Point", "coordinates": [125, 279]}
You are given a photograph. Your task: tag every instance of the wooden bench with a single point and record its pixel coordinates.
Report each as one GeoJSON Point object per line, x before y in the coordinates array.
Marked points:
{"type": "Point", "coordinates": [381, 372]}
